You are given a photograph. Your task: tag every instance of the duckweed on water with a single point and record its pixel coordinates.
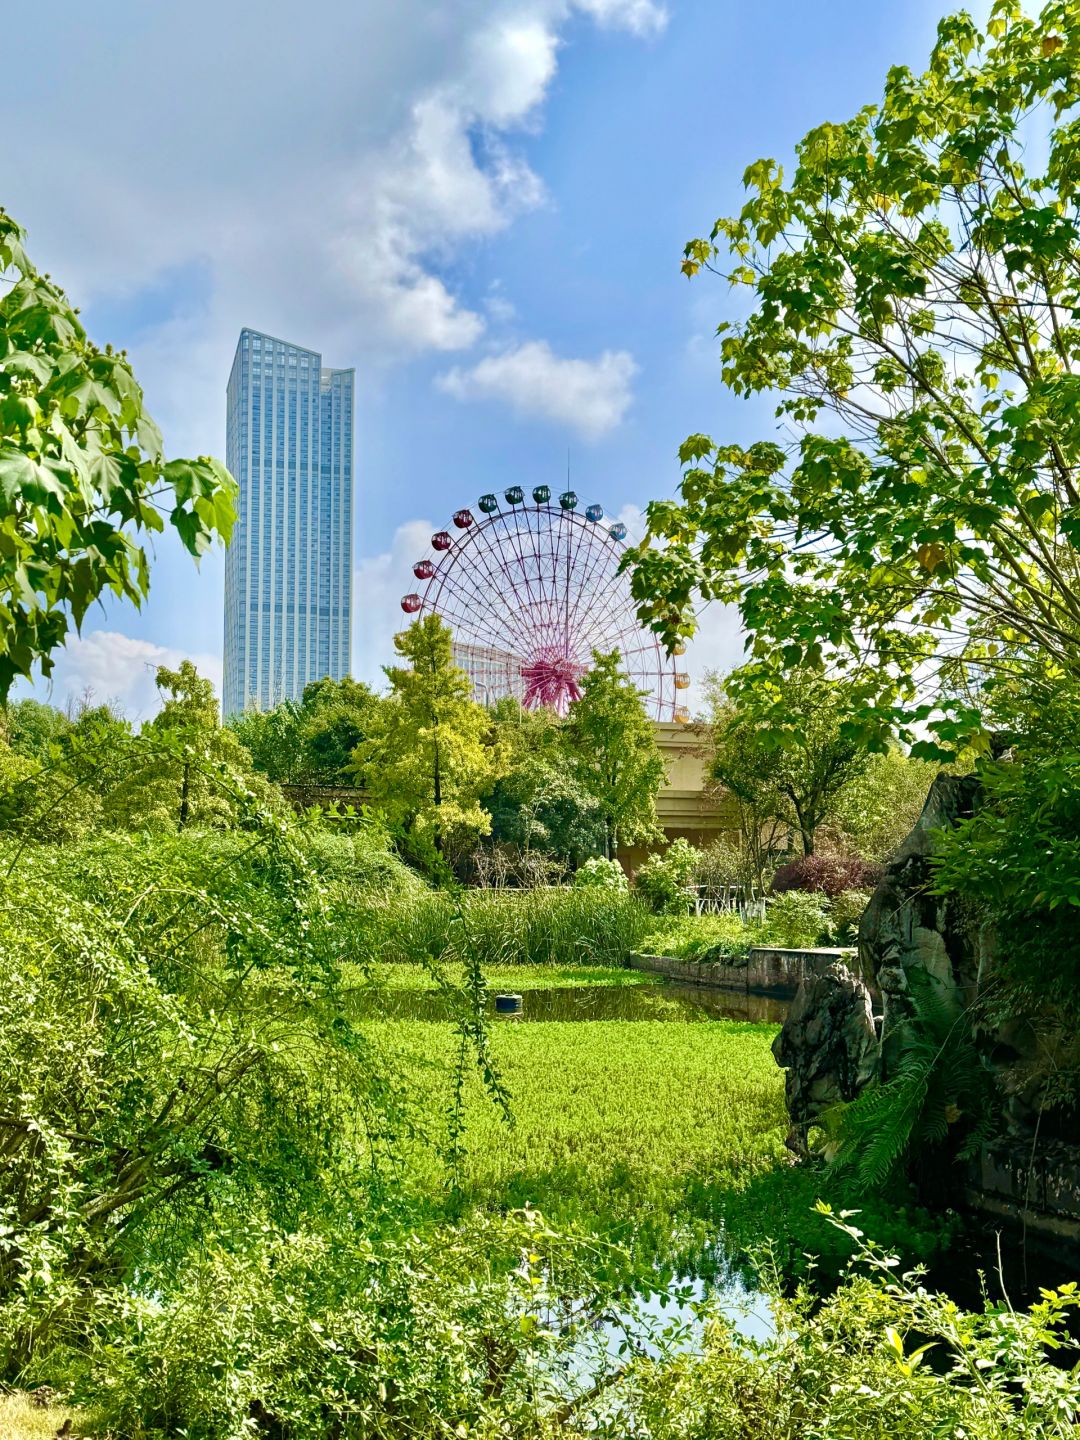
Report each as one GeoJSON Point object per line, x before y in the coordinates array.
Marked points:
{"type": "Point", "coordinates": [664, 1135]}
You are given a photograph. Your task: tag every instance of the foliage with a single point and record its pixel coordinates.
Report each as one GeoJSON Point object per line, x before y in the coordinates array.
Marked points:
{"type": "Point", "coordinates": [725, 861]}
{"type": "Point", "coordinates": [791, 761]}
{"type": "Point", "coordinates": [600, 874]}
{"type": "Point", "coordinates": [309, 741]}
{"type": "Point", "coordinates": [541, 802]}
{"type": "Point", "coordinates": [663, 881]}
{"type": "Point", "coordinates": [845, 912]}
{"type": "Point", "coordinates": [82, 472]}
{"type": "Point", "coordinates": [704, 937]}
{"type": "Point", "coordinates": [563, 926]}
{"type": "Point", "coordinates": [881, 1358]}
{"type": "Point", "coordinates": [1018, 859]}
{"type": "Point", "coordinates": [32, 728]}
{"type": "Point", "coordinates": [302, 1337]}
{"type": "Point", "coordinates": [935, 1096]}
{"type": "Point", "coordinates": [430, 754]}
{"type": "Point", "coordinates": [172, 1040]}
{"type": "Point", "coordinates": [912, 287]}
{"type": "Point", "coordinates": [336, 716]}
{"type": "Point", "coordinates": [878, 808]}
{"type": "Point", "coordinates": [795, 920]}
{"type": "Point", "coordinates": [187, 769]}
{"type": "Point", "coordinates": [614, 753]}
{"type": "Point", "coordinates": [830, 874]}
{"type": "Point", "coordinates": [273, 739]}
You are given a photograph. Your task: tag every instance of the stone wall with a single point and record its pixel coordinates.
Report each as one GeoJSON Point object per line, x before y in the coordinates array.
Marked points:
{"type": "Point", "coordinates": [768, 971]}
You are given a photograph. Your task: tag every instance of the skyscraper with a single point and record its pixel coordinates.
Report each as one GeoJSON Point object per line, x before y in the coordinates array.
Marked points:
{"type": "Point", "coordinates": [288, 572]}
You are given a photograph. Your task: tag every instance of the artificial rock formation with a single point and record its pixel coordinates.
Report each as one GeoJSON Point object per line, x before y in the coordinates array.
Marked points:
{"type": "Point", "coordinates": [905, 927]}
{"type": "Point", "coordinates": [828, 1047]}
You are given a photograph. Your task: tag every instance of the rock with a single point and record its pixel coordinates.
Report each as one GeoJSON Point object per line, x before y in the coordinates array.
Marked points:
{"type": "Point", "coordinates": [906, 928]}
{"type": "Point", "coordinates": [828, 1046]}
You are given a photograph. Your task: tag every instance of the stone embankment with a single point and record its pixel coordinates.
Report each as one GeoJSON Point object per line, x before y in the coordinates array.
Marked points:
{"type": "Point", "coordinates": [767, 971]}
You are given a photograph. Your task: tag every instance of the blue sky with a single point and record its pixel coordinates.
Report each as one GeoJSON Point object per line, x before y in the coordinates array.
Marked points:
{"type": "Point", "coordinates": [480, 204]}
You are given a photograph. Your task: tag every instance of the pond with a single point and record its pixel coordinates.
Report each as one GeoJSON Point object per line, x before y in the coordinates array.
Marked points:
{"type": "Point", "coordinates": [667, 1001]}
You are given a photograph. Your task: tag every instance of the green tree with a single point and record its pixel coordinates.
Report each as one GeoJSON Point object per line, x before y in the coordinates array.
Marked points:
{"type": "Point", "coordinates": [430, 753]}
{"type": "Point", "coordinates": [82, 472]}
{"type": "Point", "coordinates": [915, 288]}
{"type": "Point", "coordinates": [186, 768]}
{"type": "Point", "coordinates": [34, 729]}
{"type": "Point", "coordinates": [336, 716]}
{"type": "Point", "coordinates": [540, 802]}
{"type": "Point", "coordinates": [614, 754]}
{"type": "Point", "coordinates": [878, 807]}
{"type": "Point", "coordinates": [792, 762]}
{"type": "Point", "coordinates": [275, 741]}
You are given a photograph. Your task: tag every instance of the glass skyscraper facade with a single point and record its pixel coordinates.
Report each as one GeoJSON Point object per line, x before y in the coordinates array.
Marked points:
{"type": "Point", "coordinates": [288, 571]}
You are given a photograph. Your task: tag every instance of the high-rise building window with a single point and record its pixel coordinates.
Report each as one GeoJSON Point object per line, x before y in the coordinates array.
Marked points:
{"type": "Point", "coordinates": [287, 607]}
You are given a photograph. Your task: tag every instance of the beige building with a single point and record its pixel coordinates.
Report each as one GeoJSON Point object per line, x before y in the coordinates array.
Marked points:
{"type": "Point", "coordinates": [687, 806]}
{"type": "Point", "coordinates": [493, 673]}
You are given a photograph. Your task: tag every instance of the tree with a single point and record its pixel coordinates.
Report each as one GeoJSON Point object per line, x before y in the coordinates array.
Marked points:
{"type": "Point", "coordinates": [615, 755]}
{"type": "Point", "coordinates": [34, 729]}
{"type": "Point", "coordinates": [336, 716]}
{"type": "Point", "coordinates": [275, 741]}
{"type": "Point", "coordinates": [430, 754]}
{"type": "Point", "coordinates": [915, 285]}
{"type": "Point", "coordinates": [82, 472]}
{"type": "Point", "coordinates": [879, 807]}
{"type": "Point", "coordinates": [186, 769]}
{"type": "Point", "coordinates": [791, 773]}
{"type": "Point", "coordinates": [540, 802]}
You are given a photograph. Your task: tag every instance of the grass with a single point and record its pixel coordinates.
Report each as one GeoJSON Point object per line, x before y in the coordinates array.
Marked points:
{"type": "Point", "coordinates": [21, 1419]}
{"type": "Point", "coordinates": [687, 937]}
{"type": "Point", "coordinates": [530, 927]}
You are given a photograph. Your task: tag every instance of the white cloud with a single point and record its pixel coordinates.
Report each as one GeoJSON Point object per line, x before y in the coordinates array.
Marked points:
{"type": "Point", "coordinates": [117, 669]}
{"type": "Point", "coordinates": [322, 177]}
{"type": "Point", "coordinates": [379, 582]}
{"type": "Point", "coordinates": [589, 396]}
{"type": "Point", "coordinates": [641, 17]}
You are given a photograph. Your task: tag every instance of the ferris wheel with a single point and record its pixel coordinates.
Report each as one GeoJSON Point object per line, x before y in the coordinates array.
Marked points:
{"type": "Point", "coordinates": [530, 591]}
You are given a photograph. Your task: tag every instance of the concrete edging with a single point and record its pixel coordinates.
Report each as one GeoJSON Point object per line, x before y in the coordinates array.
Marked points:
{"type": "Point", "coordinates": [767, 969]}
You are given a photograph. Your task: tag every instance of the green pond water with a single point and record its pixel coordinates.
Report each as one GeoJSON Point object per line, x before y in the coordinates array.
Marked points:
{"type": "Point", "coordinates": [667, 1002]}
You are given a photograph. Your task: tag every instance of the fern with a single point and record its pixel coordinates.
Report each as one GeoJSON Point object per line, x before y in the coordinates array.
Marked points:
{"type": "Point", "coordinates": [939, 1091]}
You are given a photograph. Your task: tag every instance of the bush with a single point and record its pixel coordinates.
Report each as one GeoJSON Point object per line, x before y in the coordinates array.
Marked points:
{"type": "Point", "coordinates": [703, 937]}
{"type": "Point", "coordinates": [829, 874]}
{"type": "Point", "coordinates": [723, 862]}
{"type": "Point", "coordinates": [663, 881]}
{"type": "Point", "coordinates": [316, 1336]}
{"type": "Point", "coordinates": [795, 920]}
{"type": "Point", "coordinates": [855, 1364]}
{"type": "Point", "coordinates": [600, 874]}
{"type": "Point", "coordinates": [845, 912]}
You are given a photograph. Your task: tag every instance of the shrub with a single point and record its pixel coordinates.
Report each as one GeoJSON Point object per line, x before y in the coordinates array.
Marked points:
{"type": "Point", "coordinates": [830, 874]}
{"type": "Point", "coordinates": [662, 882]}
{"type": "Point", "coordinates": [601, 874]}
{"type": "Point", "coordinates": [855, 1364]}
{"type": "Point", "coordinates": [795, 920]}
{"type": "Point", "coordinates": [702, 937]}
{"type": "Point", "coordinates": [723, 862]}
{"type": "Point", "coordinates": [845, 912]}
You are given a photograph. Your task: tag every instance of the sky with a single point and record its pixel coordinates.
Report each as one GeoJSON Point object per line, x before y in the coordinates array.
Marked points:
{"type": "Point", "coordinates": [479, 204]}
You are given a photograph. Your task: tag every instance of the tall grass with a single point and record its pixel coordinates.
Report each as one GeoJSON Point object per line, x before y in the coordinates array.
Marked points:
{"type": "Point", "coordinates": [531, 927]}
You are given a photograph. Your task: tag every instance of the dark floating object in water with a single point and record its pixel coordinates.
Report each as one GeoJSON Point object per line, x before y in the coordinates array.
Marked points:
{"type": "Point", "coordinates": [507, 1004]}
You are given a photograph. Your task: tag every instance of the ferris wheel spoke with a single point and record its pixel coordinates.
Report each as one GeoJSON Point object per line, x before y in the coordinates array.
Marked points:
{"type": "Point", "coordinates": [542, 585]}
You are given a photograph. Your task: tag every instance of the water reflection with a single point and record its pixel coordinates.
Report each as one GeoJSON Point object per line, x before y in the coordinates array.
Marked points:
{"type": "Point", "coordinates": [667, 1001]}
